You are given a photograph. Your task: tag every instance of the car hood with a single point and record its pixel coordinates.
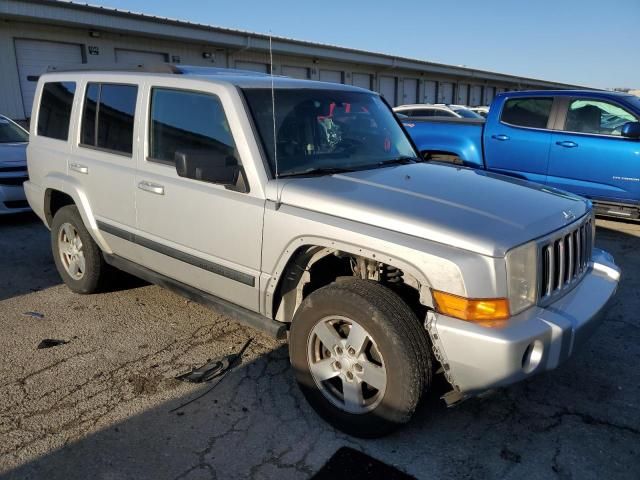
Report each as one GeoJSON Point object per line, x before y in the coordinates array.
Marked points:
{"type": "Point", "coordinates": [13, 154]}
{"type": "Point", "coordinates": [470, 209]}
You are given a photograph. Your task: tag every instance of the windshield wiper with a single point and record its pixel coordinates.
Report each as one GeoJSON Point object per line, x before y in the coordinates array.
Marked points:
{"type": "Point", "coordinates": [317, 171]}
{"type": "Point", "coordinates": [399, 161]}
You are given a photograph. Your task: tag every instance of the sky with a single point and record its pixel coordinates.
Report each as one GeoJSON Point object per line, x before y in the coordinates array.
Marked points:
{"type": "Point", "coordinates": [585, 42]}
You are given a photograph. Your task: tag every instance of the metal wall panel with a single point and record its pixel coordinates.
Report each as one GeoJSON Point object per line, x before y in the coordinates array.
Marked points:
{"type": "Point", "coordinates": [388, 86]}
{"type": "Point", "coordinates": [445, 92]}
{"type": "Point", "coordinates": [362, 80]}
{"type": "Point", "coordinates": [476, 96]}
{"type": "Point", "coordinates": [252, 66]}
{"type": "Point", "coordinates": [35, 56]}
{"type": "Point", "coordinates": [489, 93]}
{"type": "Point", "coordinates": [430, 89]}
{"type": "Point", "coordinates": [333, 76]}
{"type": "Point", "coordinates": [295, 72]}
{"type": "Point", "coordinates": [463, 94]}
{"type": "Point", "coordinates": [139, 57]}
{"type": "Point", "coordinates": [409, 91]}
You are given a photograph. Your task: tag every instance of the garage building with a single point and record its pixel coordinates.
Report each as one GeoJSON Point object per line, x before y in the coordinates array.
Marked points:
{"type": "Point", "coordinates": [36, 34]}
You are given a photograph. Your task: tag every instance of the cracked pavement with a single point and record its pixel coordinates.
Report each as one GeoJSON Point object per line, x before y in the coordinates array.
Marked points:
{"type": "Point", "coordinates": [99, 406]}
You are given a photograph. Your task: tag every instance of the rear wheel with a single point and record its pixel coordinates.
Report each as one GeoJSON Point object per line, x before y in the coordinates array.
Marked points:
{"type": "Point", "coordinates": [77, 257]}
{"type": "Point", "coordinates": [360, 356]}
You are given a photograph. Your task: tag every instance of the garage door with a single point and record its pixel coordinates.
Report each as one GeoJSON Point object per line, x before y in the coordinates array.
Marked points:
{"type": "Point", "coordinates": [463, 93]}
{"type": "Point", "coordinates": [333, 76]}
{"type": "Point", "coordinates": [388, 89]}
{"type": "Point", "coordinates": [409, 91]}
{"type": "Point", "coordinates": [430, 91]}
{"type": "Point", "coordinates": [139, 57]}
{"type": "Point", "coordinates": [445, 92]}
{"type": "Point", "coordinates": [489, 93]}
{"type": "Point", "coordinates": [362, 80]}
{"type": "Point", "coordinates": [33, 58]}
{"type": "Point", "coordinates": [295, 72]}
{"type": "Point", "coordinates": [476, 96]}
{"type": "Point", "coordinates": [253, 66]}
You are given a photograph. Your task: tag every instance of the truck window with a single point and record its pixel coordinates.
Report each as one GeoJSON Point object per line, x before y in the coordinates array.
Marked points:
{"type": "Point", "coordinates": [594, 116]}
{"type": "Point", "coordinates": [54, 113]}
{"type": "Point", "coordinates": [527, 112]}
{"type": "Point", "coordinates": [187, 121]}
{"type": "Point", "coordinates": [107, 117]}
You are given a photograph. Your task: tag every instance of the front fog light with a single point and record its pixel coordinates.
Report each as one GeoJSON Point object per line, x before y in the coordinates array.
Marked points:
{"type": "Point", "coordinates": [522, 278]}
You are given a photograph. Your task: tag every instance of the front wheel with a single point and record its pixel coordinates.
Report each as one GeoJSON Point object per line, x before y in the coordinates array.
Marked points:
{"type": "Point", "coordinates": [360, 356]}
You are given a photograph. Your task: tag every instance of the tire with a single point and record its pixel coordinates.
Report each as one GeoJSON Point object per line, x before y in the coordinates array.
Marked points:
{"type": "Point", "coordinates": [396, 342]}
{"type": "Point", "coordinates": [91, 277]}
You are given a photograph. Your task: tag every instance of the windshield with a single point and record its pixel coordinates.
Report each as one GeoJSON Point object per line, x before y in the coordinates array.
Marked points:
{"type": "Point", "coordinates": [11, 133]}
{"type": "Point", "coordinates": [465, 112]}
{"type": "Point", "coordinates": [327, 129]}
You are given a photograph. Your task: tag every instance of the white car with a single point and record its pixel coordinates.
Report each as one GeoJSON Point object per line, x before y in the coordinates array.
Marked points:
{"type": "Point", "coordinates": [482, 111]}
{"type": "Point", "coordinates": [436, 110]}
{"type": "Point", "coordinates": [13, 166]}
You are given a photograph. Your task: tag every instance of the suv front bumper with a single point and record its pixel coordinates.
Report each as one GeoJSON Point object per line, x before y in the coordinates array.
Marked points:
{"type": "Point", "coordinates": [476, 358]}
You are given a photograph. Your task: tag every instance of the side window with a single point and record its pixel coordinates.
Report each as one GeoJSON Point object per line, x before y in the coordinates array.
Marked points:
{"type": "Point", "coordinates": [527, 112]}
{"type": "Point", "coordinates": [442, 113]}
{"type": "Point", "coordinates": [54, 114]}
{"type": "Point", "coordinates": [108, 115]}
{"type": "Point", "coordinates": [183, 121]}
{"type": "Point", "coordinates": [593, 116]}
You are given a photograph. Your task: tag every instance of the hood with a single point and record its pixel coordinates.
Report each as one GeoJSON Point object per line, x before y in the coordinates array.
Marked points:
{"type": "Point", "coordinates": [13, 154]}
{"type": "Point", "coordinates": [469, 209]}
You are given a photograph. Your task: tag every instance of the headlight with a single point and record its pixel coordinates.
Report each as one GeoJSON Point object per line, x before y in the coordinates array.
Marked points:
{"type": "Point", "coordinates": [522, 277]}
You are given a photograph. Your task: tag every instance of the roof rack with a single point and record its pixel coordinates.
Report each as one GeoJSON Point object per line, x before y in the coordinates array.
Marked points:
{"type": "Point", "coordinates": [155, 68]}
{"type": "Point", "coordinates": [118, 67]}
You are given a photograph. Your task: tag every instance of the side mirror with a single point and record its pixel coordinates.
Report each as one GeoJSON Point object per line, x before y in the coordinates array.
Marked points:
{"type": "Point", "coordinates": [208, 166]}
{"type": "Point", "coordinates": [631, 130]}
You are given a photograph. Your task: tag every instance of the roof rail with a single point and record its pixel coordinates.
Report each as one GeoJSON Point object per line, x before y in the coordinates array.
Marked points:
{"type": "Point", "coordinates": [155, 68]}
{"type": "Point", "coordinates": [118, 67]}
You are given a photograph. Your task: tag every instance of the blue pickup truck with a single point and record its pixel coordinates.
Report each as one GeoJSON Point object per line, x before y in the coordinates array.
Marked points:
{"type": "Point", "coordinates": [585, 142]}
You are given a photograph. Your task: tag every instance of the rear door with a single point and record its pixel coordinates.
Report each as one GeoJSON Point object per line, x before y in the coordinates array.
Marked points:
{"type": "Point", "coordinates": [589, 156]}
{"type": "Point", "coordinates": [103, 158]}
{"type": "Point", "coordinates": [517, 137]}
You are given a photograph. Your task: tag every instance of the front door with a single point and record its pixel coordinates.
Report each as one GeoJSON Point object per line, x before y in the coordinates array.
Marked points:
{"type": "Point", "coordinates": [199, 233]}
{"type": "Point", "coordinates": [589, 156]}
{"type": "Point", "coordinates": [516, 140]}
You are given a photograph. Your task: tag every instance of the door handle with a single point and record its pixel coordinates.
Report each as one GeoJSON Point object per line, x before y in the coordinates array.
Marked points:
{"type": "Point", "coordinates": [567, 144]}
{"type": "Point", "coordinates": [151, 188]}
{"type": "Point", "coordinates": [500, 137]}
{"type": "Point", "coordinates": [76, 167]}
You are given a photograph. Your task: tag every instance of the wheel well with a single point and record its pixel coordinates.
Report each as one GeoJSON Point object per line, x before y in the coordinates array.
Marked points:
{"type": "Point", "coordinates": [313, 267]}
{"type": "Point", "coordinates": [54, 200]}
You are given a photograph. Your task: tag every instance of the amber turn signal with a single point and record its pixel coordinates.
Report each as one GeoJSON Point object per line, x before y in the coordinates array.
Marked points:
{"type": "Point", "coordinates": [480, 310]}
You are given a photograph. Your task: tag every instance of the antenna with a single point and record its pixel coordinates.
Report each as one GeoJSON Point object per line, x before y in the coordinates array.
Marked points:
{"type": "Point", "coordinates": [273, 109]}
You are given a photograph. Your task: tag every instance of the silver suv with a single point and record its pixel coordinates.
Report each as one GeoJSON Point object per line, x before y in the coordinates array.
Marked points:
{"type": "Point", "coordinates": [302, 208]}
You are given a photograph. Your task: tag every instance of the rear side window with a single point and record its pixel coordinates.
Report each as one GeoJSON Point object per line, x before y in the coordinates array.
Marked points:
{"type": "Point", "coordinates": [184, 121]}
{"type": "Point", "coordinates": [107, 117]}
{"type": "Point", "coordinates": [527, 112]}
{"type": "Point", "coordinates": [54, 113]}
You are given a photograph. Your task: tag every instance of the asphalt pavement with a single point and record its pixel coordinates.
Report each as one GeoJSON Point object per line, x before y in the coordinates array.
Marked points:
{"type": "Point", "coordinates": [106, 405]}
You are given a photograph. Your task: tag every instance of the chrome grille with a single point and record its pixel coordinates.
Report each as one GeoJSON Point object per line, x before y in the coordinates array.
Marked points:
{"type": "Point", "coordinates": [565, 258]}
